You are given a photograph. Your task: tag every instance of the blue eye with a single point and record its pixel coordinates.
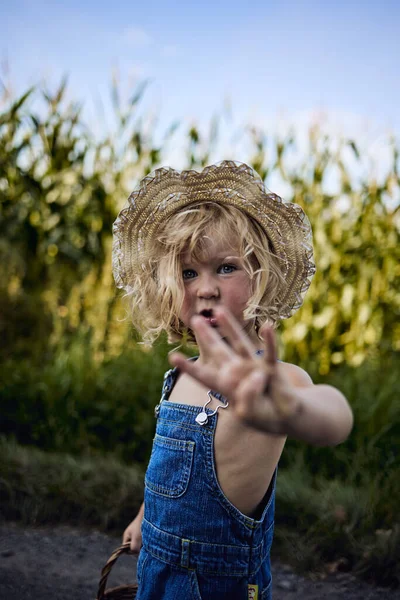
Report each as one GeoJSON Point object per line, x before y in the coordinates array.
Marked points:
{"type": "Point", "coordinates": [226, 269]}
{"type": "Point", "coordinates": [188, 274]}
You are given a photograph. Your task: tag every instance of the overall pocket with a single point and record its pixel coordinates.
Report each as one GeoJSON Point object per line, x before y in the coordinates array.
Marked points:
{"type": "Point", "coordinates": [170, 466]}
{"type": "Point", "coordinates": [161, 581]}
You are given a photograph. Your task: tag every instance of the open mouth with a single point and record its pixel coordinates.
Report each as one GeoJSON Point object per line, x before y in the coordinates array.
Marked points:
{"type": "Point", "coordinates": [208, 315]}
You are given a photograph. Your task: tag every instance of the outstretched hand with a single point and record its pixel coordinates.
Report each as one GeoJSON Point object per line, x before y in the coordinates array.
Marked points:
{"type": "Point", "coordinates": [257, 392]}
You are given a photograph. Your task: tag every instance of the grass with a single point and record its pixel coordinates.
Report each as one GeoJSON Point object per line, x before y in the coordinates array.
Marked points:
{"type": "Point", "coordinates": [70, 403]}
{"type": "Point", "coordinates": [322, 521]}
{"type": "Point", "coordinates": [39, 488]}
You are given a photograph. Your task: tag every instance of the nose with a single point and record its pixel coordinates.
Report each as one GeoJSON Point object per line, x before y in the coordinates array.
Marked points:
{"type": "Point", "coordinates": [207, 287]}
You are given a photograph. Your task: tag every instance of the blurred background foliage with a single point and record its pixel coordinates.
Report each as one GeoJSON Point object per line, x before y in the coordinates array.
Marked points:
{"type": "Point", "coordinates": [74, 377]}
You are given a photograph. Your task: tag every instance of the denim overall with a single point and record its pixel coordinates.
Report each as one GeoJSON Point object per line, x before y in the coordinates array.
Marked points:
{"type": "Point", "coordinates": [196, 544]}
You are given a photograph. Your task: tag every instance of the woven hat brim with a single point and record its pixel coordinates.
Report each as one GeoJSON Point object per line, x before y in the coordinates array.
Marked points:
{"type": "Point", "coordinates": [166, 191]}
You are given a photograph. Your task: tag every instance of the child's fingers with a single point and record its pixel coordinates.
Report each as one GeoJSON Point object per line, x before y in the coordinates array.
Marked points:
{"type": "Point", "coordinates": [249, 405]}
{"type": "Point", "coordinates": [176, 359]}
{"type": "Point", "coordinates": [126, 537]}
{"type": "Point", "coordinates": [205, 374]}
{"type": "Point", "coordinates": [270, 352]}
{"type": "Point", "coordinates": [235, 335]}
{"type": "Point", "coordinates": [212, 339]}
{"type": "Point", "coordinates": [136, 544]}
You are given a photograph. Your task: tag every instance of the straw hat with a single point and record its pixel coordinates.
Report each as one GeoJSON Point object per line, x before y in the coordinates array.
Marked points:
{"type": "Point", "coordinates": [166, 191]}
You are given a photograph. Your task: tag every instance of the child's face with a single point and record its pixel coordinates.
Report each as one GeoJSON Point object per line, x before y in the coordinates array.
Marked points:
{"type": "Point", "coordinates": [217, 279]}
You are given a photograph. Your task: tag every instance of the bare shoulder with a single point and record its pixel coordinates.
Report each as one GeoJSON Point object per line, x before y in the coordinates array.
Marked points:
{"type": "Point", "coordinates": [297, 376]}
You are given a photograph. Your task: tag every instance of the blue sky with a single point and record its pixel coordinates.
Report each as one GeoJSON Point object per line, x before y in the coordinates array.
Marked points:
{"type": "Point", "coordinates": [273, 60]}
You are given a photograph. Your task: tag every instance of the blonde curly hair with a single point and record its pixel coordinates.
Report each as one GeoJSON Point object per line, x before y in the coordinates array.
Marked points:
{"type": "Point", "coordinates": [156, 295]}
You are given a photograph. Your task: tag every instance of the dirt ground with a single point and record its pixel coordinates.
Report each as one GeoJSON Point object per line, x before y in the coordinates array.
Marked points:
{"type": "Point", "coordinates": [64, 563]}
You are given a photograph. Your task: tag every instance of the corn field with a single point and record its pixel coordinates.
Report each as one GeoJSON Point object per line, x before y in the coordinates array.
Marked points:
{"type": "Point", "coordinates": [61, 189]}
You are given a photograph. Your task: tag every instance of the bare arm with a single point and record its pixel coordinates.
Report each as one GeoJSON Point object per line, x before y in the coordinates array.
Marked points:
{"type": "Point", "coordinates": [321, 414]}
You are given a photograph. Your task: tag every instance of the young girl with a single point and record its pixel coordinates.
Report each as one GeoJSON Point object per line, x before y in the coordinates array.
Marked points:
{"type": "Point", "coordinates": [212, 258]}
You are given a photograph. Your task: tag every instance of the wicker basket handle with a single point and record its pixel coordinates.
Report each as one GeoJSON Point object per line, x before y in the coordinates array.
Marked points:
{"type": "Point", "coordinates": [123, 549]}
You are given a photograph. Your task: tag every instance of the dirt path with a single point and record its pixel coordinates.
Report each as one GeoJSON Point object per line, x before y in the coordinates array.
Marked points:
{"type": "Point", "coordinates": [64, 563]}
